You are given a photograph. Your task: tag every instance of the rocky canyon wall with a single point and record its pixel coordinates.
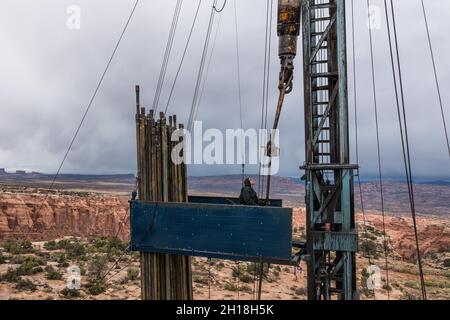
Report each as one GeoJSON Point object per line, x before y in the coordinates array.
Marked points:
{"type": "Point", "coordinates": [30, 214]}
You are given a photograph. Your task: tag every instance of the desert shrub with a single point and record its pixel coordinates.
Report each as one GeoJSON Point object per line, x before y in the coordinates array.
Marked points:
{"type": "Point", "coordinates": [272, 276]}
{"type": "Point", "coordinates": [437, 284]}
{"type": "Point", "coordinates": [18, 247]}
{"type": "Point", "coordinates": [75, 251]}
{"type": "Point", "coordinates": [30, 266]}
{"type": "Point", "coordinates": [219, 266]}
{"type": "Point", "coordinates": [62, 261]}
{"type": "Point", "coordinates": [412, 285]}
{"type": "Point", "coordinates": [247, 289]}
{"type": "Point", "coordinates": [43, 255]}
{"type": "Point", "coordinates": [132, 274]}
{"type": "Point", "coordinates": [255, 269]}
{"type": "Point", "coordinates": [117, 244]}
{"type": "Point", "coordinates": [2, 258]}
{"type": "Point", "coordinates": [246, 278]}
{"type": "Point", "coordinates": [10, 276]}
{"type": "Point", "coordinates": [194, 262]}
{"type": "Point", "coordinates": [432, 256]}
{"type": "Point", "coordinates": [97, 267]}
{"type": "Point", "coordinates": [447, 263]}
{"type": "Point", "coordinates": [276, 273]}
{"type": "Point", "coordinates": [238, 270]}
{"type": "Point", "coordinates": [70, 293]}
{"type": "Point", "coordinates": [200, 279]}
{"type": "Point", "coordinates": [408, 268]}
{"type": "Point", "coordinates": [57, 256]}
{"type": "Point", "coordinates": [53, 274]}
{"type": "Point", "coordinates": [369, 248]}
{"type": "Point", "coordinates": [112, 257]}
{"type": "Point", "coordinates": [409, 296]}
{"type": "Point", "coordinates": [447, 274]}
{"type": "Point", "coordinates": [96, 287]}
{"type": "Point", "coordinates": [17, 259]}
{"type": "Point", "coordinates": [231, 287]}
{"type": "Point", "coordinates": [300, 292]}
{"type": "Point", "coordinates": [62, 244]}
{"type": "Point", "coordinates": [111, 246]}
{"type": "Point", "coordinates": [387, 287]}
{"type": "Point", "coordinates": [38, 270]}
{"type": "Point", "coordinates": [51, 246]}
{"type": "Point", "coordinates": [25, 285]}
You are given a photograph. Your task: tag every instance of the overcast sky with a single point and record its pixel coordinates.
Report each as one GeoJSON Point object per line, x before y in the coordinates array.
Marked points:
{"type": "Point", "coordinates": [49, 72]}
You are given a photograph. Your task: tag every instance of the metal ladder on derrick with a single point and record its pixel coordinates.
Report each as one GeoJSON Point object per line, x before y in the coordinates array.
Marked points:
{"type": "Point", "coordinates": [332, 240]}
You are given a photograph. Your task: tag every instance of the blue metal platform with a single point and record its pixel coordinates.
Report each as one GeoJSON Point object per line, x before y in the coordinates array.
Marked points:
{"type": "Point", "coordinates": [231, 232]}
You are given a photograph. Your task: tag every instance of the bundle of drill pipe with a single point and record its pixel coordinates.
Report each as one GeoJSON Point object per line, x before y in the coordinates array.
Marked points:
{"type": "Point", "coordinates": [163, 277]}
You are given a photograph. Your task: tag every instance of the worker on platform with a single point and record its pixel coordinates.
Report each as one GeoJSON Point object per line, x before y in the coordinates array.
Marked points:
{"type": "Point", "coordinates": [248, 195]}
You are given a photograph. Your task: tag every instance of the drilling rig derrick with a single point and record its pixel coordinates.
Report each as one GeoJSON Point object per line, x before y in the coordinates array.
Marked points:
{"type": "Point", "coordinates": [332, 240]}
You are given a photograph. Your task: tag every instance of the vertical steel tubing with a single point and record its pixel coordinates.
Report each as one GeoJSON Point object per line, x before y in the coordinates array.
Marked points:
{"type": "Point", "coordinates": [342, 74]}
{"type": "Point", "coordinates": [309, 197]}
{"type": "Point", "coordinates": [163, 277]}
{"type": "Point", "coordinates": [306, 20]}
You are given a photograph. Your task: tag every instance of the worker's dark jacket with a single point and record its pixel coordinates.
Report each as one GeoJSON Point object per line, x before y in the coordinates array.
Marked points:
{"type": "Point", "coordinates": [248, 196]}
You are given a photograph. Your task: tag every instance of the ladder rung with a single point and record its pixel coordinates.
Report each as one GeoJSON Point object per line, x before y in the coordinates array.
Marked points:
{"type": "Point", "coordinates": [322, 47]}
{"type": "Point", "coordinates": [324, 75]}
{"type": "Point", "coordinates": [319, 116]}
{"type": "Point", "coordinates": [321, 88]}
{"type": "Point", "coordinates": [321, 19]}
{"type": "Point", "coordinates": [316, 62]}
{"type": "Point", "coordinates": [322, 6]}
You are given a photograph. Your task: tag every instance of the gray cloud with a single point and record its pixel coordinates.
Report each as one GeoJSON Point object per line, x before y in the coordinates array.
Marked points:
{"type": "Point", "coordinates": [48, 74]}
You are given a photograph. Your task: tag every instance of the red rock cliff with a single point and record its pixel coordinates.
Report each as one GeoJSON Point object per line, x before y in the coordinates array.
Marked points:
{"type": "Point", "coordinates": [34, 216]}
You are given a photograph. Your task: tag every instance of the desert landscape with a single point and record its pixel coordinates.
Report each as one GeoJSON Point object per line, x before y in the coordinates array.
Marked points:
{"type": "Point", "coordinates": [84, 223]}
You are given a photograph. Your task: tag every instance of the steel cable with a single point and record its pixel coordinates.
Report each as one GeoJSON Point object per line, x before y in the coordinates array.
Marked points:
{"type": "Point", "coordinates": [438, 87]}
{"type": "Point", "coordinates": [355, 101]}
{"type": "Point", "coordinates": [88, 108]}
{"type": "Point", "coordinates": [407, 155]}
{"type": "Point", "coordinates": [266, 74]}
{"type": "Point", "coordinates": [201, 68]}
{"type": "Point", "coordinates": [380, 177]}
{"type": "Point", "coordinates": [167, 53]}
{"type": "Point", "coordinates": [183, 57]}
{"type": "Point", "coordinates": [239, 88]}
